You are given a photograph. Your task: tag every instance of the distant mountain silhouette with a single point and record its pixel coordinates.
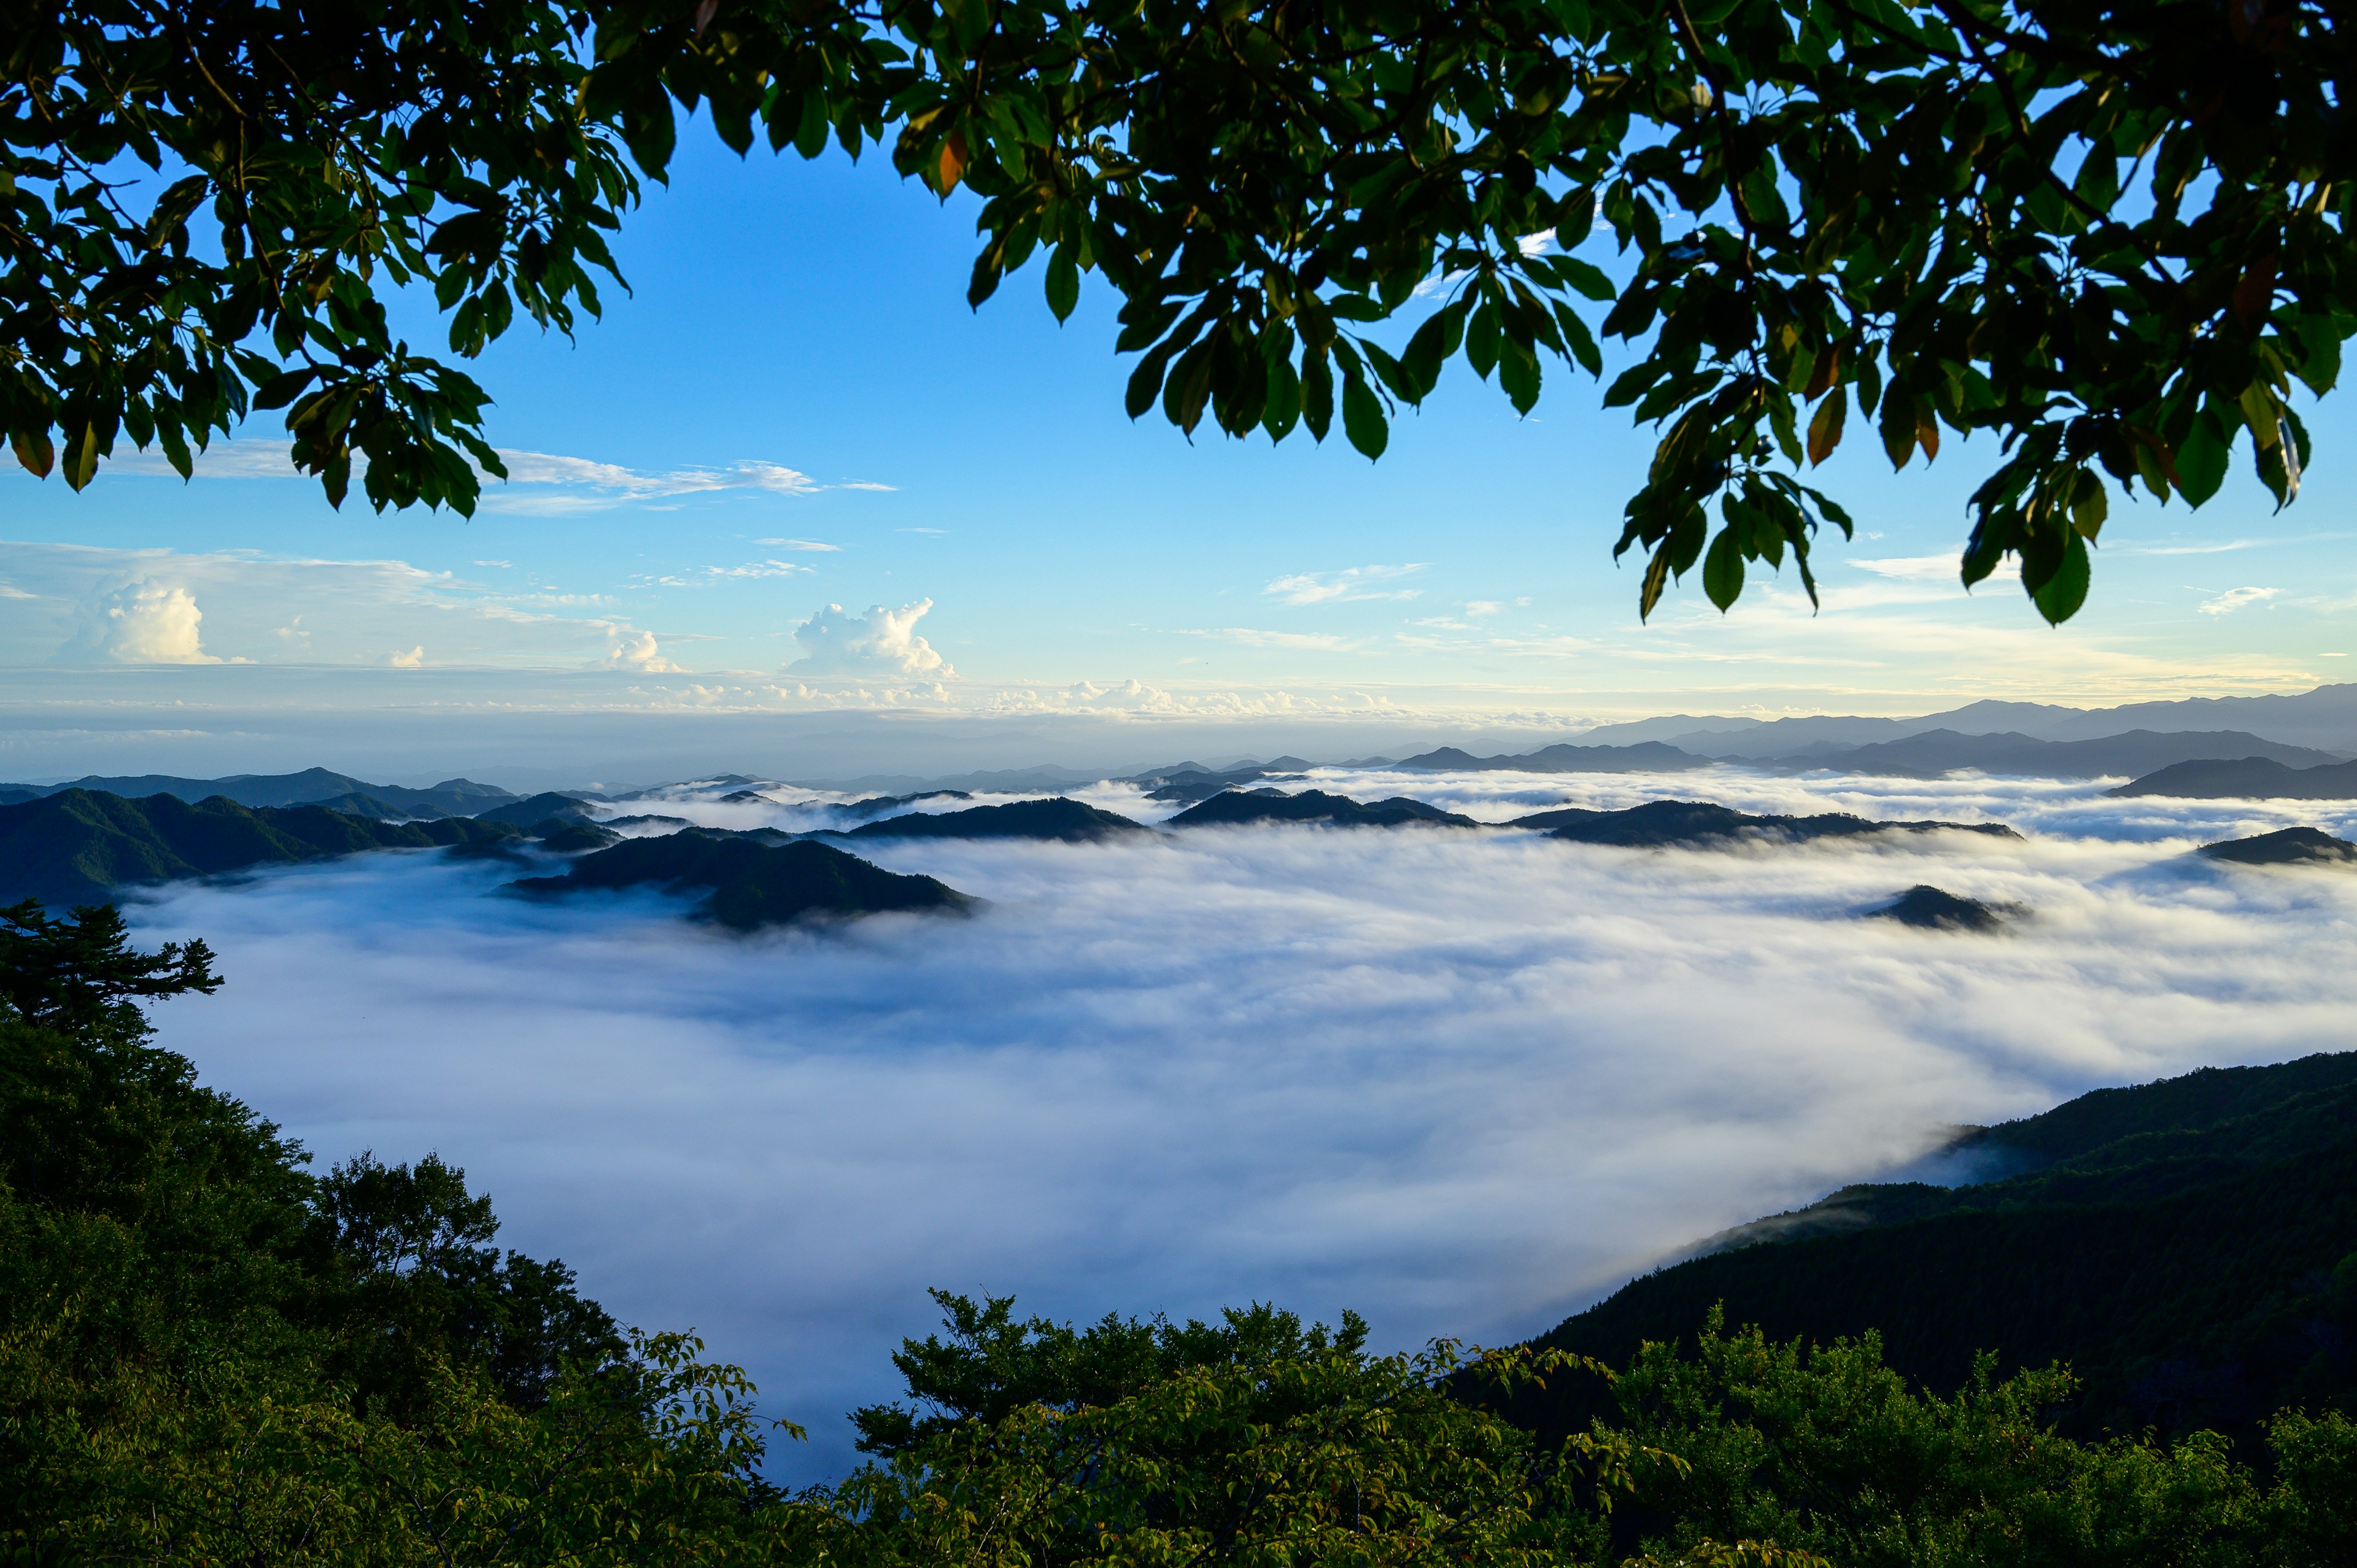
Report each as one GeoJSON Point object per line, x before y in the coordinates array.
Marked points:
{"type": "Point", "coordinates": [313, 785]}
{"type": "Point", "coordinates": [1070, 821]}
{"type": "Point", "coordinates": [750, 884]}
{"type": "Point", "coordinates": [1933, 908]}
{"type": "Point", "coordinates": [2248, 778]}
{"type": "Point", "coordinates": [1664, 823]}
{"type": "Point", "coordinates": [1645, 757]}
{"type": "Point", "coordinates": [2286, 846]}
{"type": "Point", "coordinates": [1935, 752]}
{"type": "Point", "coordinates": [1239, 806]}
{"type": "Point", "coordinates": [535, 809]}
{"type": "Point", "coordinates": [79, 847]}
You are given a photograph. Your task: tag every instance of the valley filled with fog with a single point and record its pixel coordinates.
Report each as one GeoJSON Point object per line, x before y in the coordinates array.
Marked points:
{"type": "Point", "coordinates": [1462, 1081]}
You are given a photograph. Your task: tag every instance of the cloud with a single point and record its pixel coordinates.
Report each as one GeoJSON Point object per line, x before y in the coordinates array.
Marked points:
{"type": "Point", "coordinates": [798, 545]}
{"type": "Point", "coordinates": [151, 623]}
{"type": "Point", "coordinates": [596, 486]}
{"type": "Point", "coordinates": [1344, 586]}
{"type": "Point", "coordinates": [757, 569]}
{"type": "Point", "coordinates": [111, 607]}
{"type": "Point", "coordinates": [633, 649]}
{"type": "Point", "coordinates": [1462, 1082]}
{"type": "Point", "coordinates": [412, 659]}
{"type": "Point", "coordinates": [882, 642]}
{"type": "Point", "coordinates": [1253, 637]}
{"type": "Point", "coordinates": [2234, 599]}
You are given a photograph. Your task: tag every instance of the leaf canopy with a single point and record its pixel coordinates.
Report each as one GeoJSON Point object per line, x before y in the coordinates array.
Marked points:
{"type": "Point", "coordinates": [2110, 236]}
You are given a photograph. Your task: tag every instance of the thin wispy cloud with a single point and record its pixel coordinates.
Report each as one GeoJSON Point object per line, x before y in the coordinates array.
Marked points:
{"type": "Point", "coordinates": [1252, 636]}
{"type": "Point", "coordinates": [2234, 599]}
{"type": "Point", "coordinates": [1355, 583]}
{"type": "Point", "coordinates": [810, 544]}
{"type": "Point", "coordinates": [587, 484]}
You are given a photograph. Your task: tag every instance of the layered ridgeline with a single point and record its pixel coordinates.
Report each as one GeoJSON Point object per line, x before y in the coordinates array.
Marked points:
{"type": "Point", "coordinates": [312, 786]}
{"type": "Point", "coordinates": [80, 847]}
{"type": "Point", "coordinates": [2189, 1247]}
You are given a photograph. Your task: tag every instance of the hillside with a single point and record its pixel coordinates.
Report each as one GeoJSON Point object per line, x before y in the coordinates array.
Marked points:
{"type": "Point", "coordinates": [1239, 806]}
{"type": "Point", "coordinates": [2247, 778]}
{"type": "Point", "coordinates": [79, 847]}
{"type": "Point", "coordinates": [749, 884]}
{"type": "Point", "coordinates": [2190, 1246]}
{"type": "Point", "coordinates": [1667, 823]}
{"type": "Point", "coordinates": [1068, 822]}
{"type": "Point", "coordinates": [313, 785]}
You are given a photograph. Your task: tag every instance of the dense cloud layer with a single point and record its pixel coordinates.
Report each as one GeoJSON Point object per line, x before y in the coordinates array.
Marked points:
{"type": "Point", "coordinates": [1462, 1081]}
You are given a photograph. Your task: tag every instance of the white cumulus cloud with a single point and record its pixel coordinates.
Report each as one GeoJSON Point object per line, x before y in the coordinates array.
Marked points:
{"type": "Point", "coordinates": [635, 649]}
{"type": "Point", "coordinates": [153, 623]}
{"type": "Point", "coordinates": [835, 642]}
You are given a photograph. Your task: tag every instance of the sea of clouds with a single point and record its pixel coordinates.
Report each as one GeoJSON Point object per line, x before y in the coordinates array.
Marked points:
{"type": "Point", "coordinates": [1463, 1082]}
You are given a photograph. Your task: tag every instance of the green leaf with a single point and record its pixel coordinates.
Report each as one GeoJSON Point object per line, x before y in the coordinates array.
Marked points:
{"type": "Point", "coordinates": [34, 451]}
{"type": "Point", "coordinates": [1722, 569]}
{"type": "Point", "coordinates": [2058, 598]}
{"type": "Point", "coordinates": [1317, 394]}
{"type": "Point", "coordinates": [81, 458]}
{"type": "Point", "coordinates": [285, 388]}
{"type": "Point", "coordinates": [1362, 415]}
{"type": "Point", "coordinates": [1063, 283]}
{"type": "Point", "coordinates": [1825, 429]}
{"type": "Point", "coordinates": [1587, 278]}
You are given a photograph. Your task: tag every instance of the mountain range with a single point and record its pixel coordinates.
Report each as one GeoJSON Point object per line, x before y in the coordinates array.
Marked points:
{"type": "Point", "coordinates": [313, 785]}
{"type": "Point", "coordinates": [2324, 716]}
{"type": "Point", "coordinates": [80, 846]}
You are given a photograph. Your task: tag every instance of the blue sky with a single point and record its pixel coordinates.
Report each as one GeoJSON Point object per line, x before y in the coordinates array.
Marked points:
{"type": "Point", "coordinates": [797, 410]}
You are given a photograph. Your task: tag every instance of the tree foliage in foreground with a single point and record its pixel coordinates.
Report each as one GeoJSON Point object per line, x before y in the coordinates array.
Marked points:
{"type": "Point", "coordinates": [209, 1355]}
{"type": "Point", "coordinates": [2110, 236]}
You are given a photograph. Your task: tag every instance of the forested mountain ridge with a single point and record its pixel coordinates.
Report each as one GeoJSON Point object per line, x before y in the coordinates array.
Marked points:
{"type": "Point", "coordinates": [744, 882]}
{"type": "Point", "coordinates": [2189, 1247]}
{"type": "Point", "coordinates": [77, 846]}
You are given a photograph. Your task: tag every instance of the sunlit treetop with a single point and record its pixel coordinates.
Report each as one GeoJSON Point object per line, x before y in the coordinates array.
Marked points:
{"type": "Point", "coordinates": [2109, 235]}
